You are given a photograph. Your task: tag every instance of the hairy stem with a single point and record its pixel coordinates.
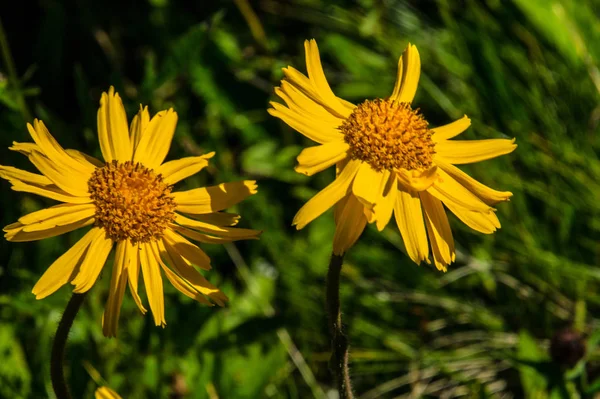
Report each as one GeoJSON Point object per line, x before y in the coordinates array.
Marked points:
{"type": "Point", "coordinates": [339, 341]}
{"type": "Point", "coordinates": [57, 374]}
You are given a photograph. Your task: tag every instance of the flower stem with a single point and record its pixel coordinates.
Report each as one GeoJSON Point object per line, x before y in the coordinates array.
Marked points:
{"type": "Point", "coordinates": [339, 341]}
{"type": "Point", "coordinates": [57, 374]}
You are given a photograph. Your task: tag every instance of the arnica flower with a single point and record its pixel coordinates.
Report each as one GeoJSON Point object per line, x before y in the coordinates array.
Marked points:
{"type": "Point", "coordinates": [106, 393]}
{"type": "Point", "coordinates": [128, 202]}
{"type": "Point", "coordinates": [388, 161]}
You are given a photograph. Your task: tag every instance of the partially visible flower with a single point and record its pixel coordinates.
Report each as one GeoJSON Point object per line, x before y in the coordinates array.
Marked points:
{"type": "Point", "coordinates": [388, 161]}
{"type": "Point", "coordinates": [128, 202]}
{"type": "Point", "coordinates": [106, 393]}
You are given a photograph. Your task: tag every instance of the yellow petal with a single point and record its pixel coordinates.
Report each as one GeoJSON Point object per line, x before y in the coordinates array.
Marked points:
{"type": "Point", "coordinates": [201, 237]}
{"type": "Point", "coordinates": [317, 130]}
{"type": "Point", "coordinates": [85, 159]}
{"type": "Point", "coordinates": [118, 282]}
{"type": "Point", "coordinates": [93, 263]}
{"type": "Point", "coordinates": [367, 185]}
{"type": "Point", "coordinates": [409, 218]}
{"type": "Point", "coordinates": [450, 191]}
{"type": "Point", "coordinates": [9, 173]}
{"type": "Point", "coordinates": [349, 226]}
{"type": "Point", "coordinates": [133, 273]}
{"type": "Point", "coordinates": [54, 152]}
{"type": "Point", "coordinates": [483, 192]}
{"type": "Point", "coordinates": [319, 82]}
{"type": "Point", "coordinates": [315, 159]}
{"type": "Point", "coordinates": [25, 148]}
{"type": "Point", "coordinates": [409, 72]}
{"type": "Point", "coordinates": [215, 198]}
{"type": "Point", "coordinates": [183, 267]}
{"type": "Point", "coordinates": [417, 180]}
{"type": "Point", "coordinates": [64, 268]}
{"type": "Point", "coordinates": [384, 205]}
{"type": "Point", "coordinates": [153, 284]}
{"type": "Point", "coordinates": [112, 128]}
{"type": "Point", "coordinates": [485, 223]}
{"type": "Point", "coordinates": [327, 197]}
{"type": "Point", "coordinates": [229, 232]}
{"type": "Point", "coordinates": [175, 242]}
{"type": "Point", "coordinates": [438, 228]}
{"type": "Point", "coordinates": [450, 130]}
{"type": "Point", "coordinates": [218, 218]}
{"type": "Point", "coordinates": [73, 184]}
{"type": "Point", "coordinates": [58, 215]}
{"type": "Point", "coordinates": [50, 191]}
{"type": "Point", "coordinates": [106, 393]}
{"type": "Point", "coordinates": [460, 152]}
{"type": "Point", "coordinates": [177, 170]}
{"type": "Point", "coordinates": [156, 139]}
{"type": "Point", "coordinates": [16, 233]}
{"type": "Point", "coordinates": [138, 125]}
{"type": "Point", "coordinates": [298, 101]}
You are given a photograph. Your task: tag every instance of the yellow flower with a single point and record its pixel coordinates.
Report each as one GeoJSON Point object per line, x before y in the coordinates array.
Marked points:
{"type": "Point", "coordinates": [387, 161]}
{"type": "Point", "coordinates": [106, 393]}
{"type": "Point", "coordinates": [128, 201]}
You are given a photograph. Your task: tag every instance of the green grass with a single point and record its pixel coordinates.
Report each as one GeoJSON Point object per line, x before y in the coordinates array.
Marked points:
{"type": "Point", "coordinates": [524, 69]}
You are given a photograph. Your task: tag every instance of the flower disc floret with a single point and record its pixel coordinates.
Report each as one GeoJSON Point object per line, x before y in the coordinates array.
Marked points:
{"type": "Point", "coordinates": [132, 202]}
{"type": "Point", "coordinates": [389, 135]}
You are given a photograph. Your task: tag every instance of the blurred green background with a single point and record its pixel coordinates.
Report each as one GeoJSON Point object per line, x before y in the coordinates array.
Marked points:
{"type": "Point", "coordinates": [523, 68]}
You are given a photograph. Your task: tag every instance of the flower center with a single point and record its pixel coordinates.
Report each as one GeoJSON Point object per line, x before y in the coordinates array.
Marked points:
{"type": "Point", "coordinates": [132, 202]}
{"type": "Point", "coordinates": [389, 135]}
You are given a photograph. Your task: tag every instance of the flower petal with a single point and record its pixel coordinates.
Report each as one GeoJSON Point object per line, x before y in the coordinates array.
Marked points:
{"type": "Point", "coordinates": [133, 273]}
{"type": "Point", "coordinates": [87, 160]}
{"type": "Point", "coordinates": [118, 282]}
{"type": "Point", "coordinates": [483, 192]}
{"type": "Point", "coordinates": [409, 72]}
{"type": "Point", "coordinates": [177, 170]}
{"type": "Point", "coordinates": [450, 130]}
{"type": "Point", "coordinates": [218, 218]}
{"type": "Point", "coordinates": [65, 267]}
{"type": "Point", "coordinates": [191, 276]}
{"type": "Point", "coordinates": [215, 198]}
{"type": "Point", "coordinates": [201, 237]}
{"type": "Point", "coordinates": [112, 128]}
{"type": "Point", "coordinates": [93, 263]}
{"type": "Point", "coordinates": [327, 197]}
{"type": "Point", "coordinates": [485, 223]}
{"type": "Point", "coordinates": [460, 152]}
{"type": "Point", "coordinates": [106, 393]}
{"type": "Point", "coordinates": [367, 185]}
{"type": "Point", "coordinates": [438, 228]}
{"type": "Point", "coordinates": [55, 153]}
{"type": "Point", "coordinates": [298, 101]}
{"type": "Point", "coordinates": [350, 224]}
{"type": "Point", "coordinates": [138, 126]}
{"type": "Point", "coordinates": [175, 242]}
{"type": "Point", "coordinates": [409, 218]}
{"type": "Point", "coordinates": [153, 284]}
{"type": "Point", "coordinates": [17, 234]}
{"type": "Point", "coordinates": [73, 184]}
{"type": "Point", "coordinates": [156, 139]}
{"type": "Point", "coordinates": [319, 81]}
{"type": "Point", "coordinates": [450, 191]}
{"type": "Point", "coordinates": [315, 129]}
{"type": "Point", "coordinates": [58, 215]}
{"type": "Point", "coordinates": [384, 205]}
{"type": "Point", "coordinates": [417, 180]}
{"type": "Point", "coordinates": [234, 233]}
{"type": "Point", "coordinates": [315, 159]}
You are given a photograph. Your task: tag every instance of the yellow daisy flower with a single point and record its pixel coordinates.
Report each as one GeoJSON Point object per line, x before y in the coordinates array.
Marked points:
{"type": "Point", "coordinates": [388, 161]}
{"type": "Point", "coordinates": [106, 393]}
{"type": "Point", "coordinates": [128, 202]}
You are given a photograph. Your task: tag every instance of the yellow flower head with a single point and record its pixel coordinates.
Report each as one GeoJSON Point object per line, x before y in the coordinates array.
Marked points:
{"type": "Point", "coordinates": [128, 202]}
{"type": "Point", "coordinates": [388, 161]}
{"type": "Point", "coordinates": [106, 393]}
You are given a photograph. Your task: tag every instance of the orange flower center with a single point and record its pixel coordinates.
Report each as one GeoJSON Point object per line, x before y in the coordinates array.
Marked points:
{"type": "Point", "coordinates": [389, 135]}
{"type": "Point", "coordinates": [132, 202]}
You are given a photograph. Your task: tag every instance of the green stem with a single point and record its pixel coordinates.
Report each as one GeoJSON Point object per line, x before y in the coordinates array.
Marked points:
{"type": "Point", "coordinates": [339, 341]}
{"type": "Point", "coordinates": [12, 74]}
{"type": "Point", "coordinates": [57, 374]}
